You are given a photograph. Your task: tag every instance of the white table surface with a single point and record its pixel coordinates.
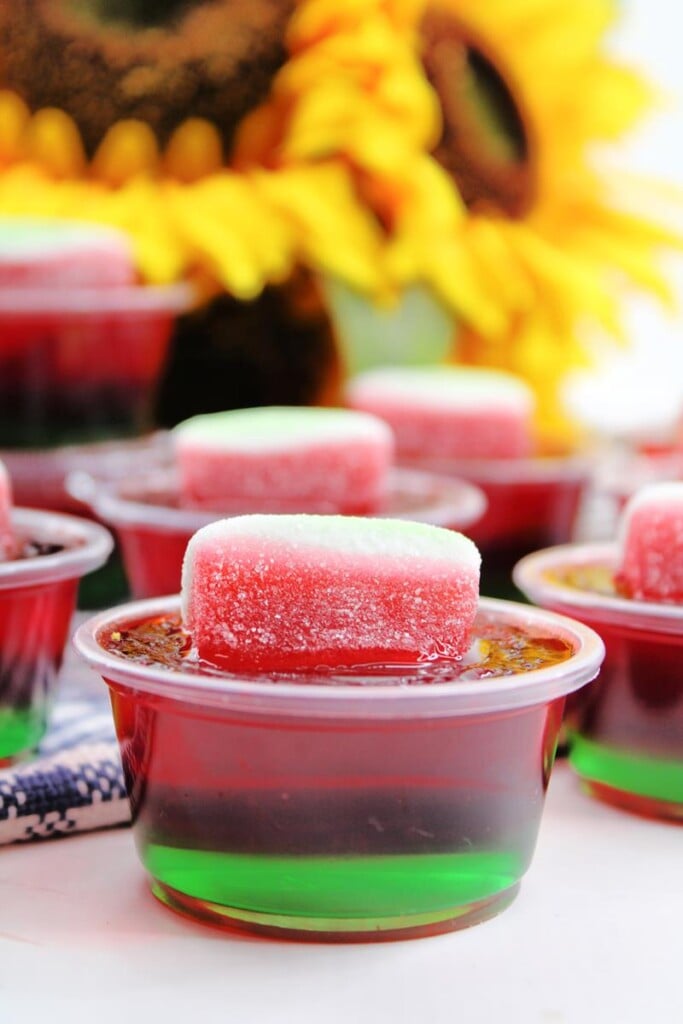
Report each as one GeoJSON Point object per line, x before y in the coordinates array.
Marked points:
{"type": "Point", "coordinates": [593, 938]}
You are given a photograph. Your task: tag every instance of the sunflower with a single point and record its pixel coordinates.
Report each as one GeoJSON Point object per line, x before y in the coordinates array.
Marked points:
{"type": "Point", "coordinates": [376, 143]}
{"type": "Point", "coordinates": [125, 112]}
{"type": "Point", "coordinates": [496, 200]}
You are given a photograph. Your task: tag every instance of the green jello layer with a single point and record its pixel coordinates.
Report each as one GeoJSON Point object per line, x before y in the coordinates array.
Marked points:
{"type": "Point", "coordinates": [20, 731]}
{"type": "Point", "coordinates": [343, 887]}
{"type": "Point", "coordinates": [659, 778]}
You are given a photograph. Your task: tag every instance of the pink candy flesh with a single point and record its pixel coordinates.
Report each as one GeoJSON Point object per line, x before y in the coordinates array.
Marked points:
{"type": "Point", "coordinates": [87, 267]}
{"type": "Point", "coordinates": [348, 477]}
{"type": "Point", "coordinates": [349, 610]}
{"type": "Point", "coordinates": [486, 433]}
{"type": "Point", "coordinates": [7, 541]}
{"type": "Point", "coordinates": [652, 561]}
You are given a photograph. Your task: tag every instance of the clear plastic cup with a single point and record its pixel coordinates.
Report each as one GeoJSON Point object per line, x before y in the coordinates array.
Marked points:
{"type": "Point", "coordinates": [532, 503]}
{"type": "Point", "coordinates": [37, 601]}
{"type": "Point", "coordinates": [630, 470]}
{"type": "Point", "coordinates": [40, 477]}
{"type": "Point", "coordinates": [80, 364]}
{"type": "Point", "coordinates": [154, 528]}
{"type": "Point", "coordinates": [338, 809]}
{"type": "Point", "coordinates": [625, 731]}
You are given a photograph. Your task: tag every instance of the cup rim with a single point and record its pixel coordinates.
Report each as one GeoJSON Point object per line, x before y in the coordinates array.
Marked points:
{"type": "Point", "coordinates": [576, 466]}
{"type": "Point", "coordinates": [94, 541]}
{"type": "Point", "coordinates": [530, 576]}
{"type": "Point", "coordinates": [456, 503]}
{"type": "Point", "coordinates": [97, 300]}
{"type": "Point", "coordinates": [239, 692]}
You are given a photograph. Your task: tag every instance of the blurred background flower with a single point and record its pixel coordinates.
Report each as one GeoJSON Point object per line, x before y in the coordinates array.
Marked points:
{"type": "Point", "coordinates": [347, 184]}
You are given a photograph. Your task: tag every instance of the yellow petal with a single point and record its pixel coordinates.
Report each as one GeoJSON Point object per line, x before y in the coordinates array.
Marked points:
{"type": "Point", "coordinates": [194, 151]}
{"type": "Point", "coordinates": [128, 149]}
{"type": "Point", "coordinates": [14, 119]}
{"type": "Point", "coordinates": [53, 141]}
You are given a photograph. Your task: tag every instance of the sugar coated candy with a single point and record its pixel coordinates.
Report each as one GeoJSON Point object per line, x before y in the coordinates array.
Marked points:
{"type": "Point", "coordinates": [7, 541]}
{"type": "Point", "coordinates": [651, 544]}
{"type": "Point", "coordinates": [287, 593]}
{"type": "Point", "coordinates": [54, 254]}
{"type": "Point", "coordinates": [284, 459]}
{"type": "Point", "coordinates": [449, 412]}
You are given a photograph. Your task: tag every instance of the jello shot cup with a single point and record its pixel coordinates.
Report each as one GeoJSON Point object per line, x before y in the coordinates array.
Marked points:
{"type": "Point", "coordinates": [38, 586]}
{"type": "Point", "coordinates": [626, 730]}
{"type": "Point", "coordinates": [82, 347]}
{"type": "Point", "coordinates": [532, 503]}
{"type": "Point", "coordinates": [354, 806]}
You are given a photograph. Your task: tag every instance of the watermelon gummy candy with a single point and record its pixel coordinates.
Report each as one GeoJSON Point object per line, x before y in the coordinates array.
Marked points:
{"type": "Point", "coordinates": [651, 544]}
{"type": "Point", "coordinates": [7, 540]}
{"type": "Point", "coordinates": [449, 412]}
{"type": "Point", "coordinates": [284, 459]}
{"type": "Point", "coordinates": [288, 593]}
{"type": "Point", "coordinates": [44, 255]}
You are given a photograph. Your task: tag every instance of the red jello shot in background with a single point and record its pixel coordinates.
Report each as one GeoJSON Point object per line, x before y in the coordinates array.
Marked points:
{"type": "Point", "coordinates": [44, 555]}
{"type": "Point", "coordinates": [478, 425]}
{"type": "Point", "coordinates": [82, 344]}
{"type": "Point", "coordinates": [448, 412]}
{"type": "Point", "coordinates": [335, 739]}
{"type": "Point", "coordinates": [279, 459]}
{"type": "Point", "coordinates": [626, 732]}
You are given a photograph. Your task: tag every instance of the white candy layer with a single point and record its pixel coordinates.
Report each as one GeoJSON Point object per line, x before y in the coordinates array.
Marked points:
{"type": "Point", "coordinates": [354, 537]}
{"type": "Point", "coordinates": [278, 428]}
{"type": "Point", "coordinates": [27, 239]}
{"type": "Point", "coordinates": [444, 387]}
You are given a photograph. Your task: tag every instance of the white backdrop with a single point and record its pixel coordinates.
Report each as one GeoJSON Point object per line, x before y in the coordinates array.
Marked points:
{"type": "Point", "coordinates": [644, 387]}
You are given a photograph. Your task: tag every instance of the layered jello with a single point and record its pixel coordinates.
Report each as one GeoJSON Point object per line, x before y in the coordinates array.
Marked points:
{"type": "Point", "coordinates": [479, 425]}
{"type": "Point", "coordinates": [626, 731]}
{"type": "Point", "coordinates": [374, 800]}
{"type": "Point", "coordinates": [82, 342]}
{"type": "Point", "coordinates": [43, 558]}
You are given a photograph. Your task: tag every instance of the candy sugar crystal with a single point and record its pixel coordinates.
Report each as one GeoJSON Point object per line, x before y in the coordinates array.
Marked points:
{"type": "Point", "coordinates": [287, 593]}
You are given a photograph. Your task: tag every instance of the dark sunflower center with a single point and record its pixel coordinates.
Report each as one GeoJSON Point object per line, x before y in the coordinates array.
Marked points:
{"type": "Point", "coordinates": [160, 61]}
{"type": "Point", "coordinates": [134, 13]}
{"type": "Point", "coordinates": [485, 144]}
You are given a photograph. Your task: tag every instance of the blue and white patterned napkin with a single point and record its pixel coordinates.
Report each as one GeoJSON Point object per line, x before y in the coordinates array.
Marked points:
{"type": "Point", "coordinates": [75, 782]}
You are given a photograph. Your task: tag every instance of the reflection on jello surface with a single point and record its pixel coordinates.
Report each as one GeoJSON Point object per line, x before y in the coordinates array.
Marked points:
{"type": "Point", "coordinates": [626, 731]}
